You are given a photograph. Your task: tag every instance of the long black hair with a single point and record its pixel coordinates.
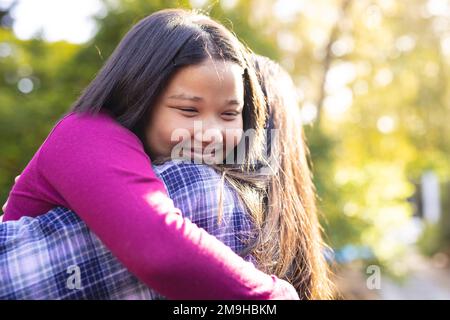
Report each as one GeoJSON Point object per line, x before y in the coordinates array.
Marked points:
{"type": "Point", "coordinates": [136, 73]}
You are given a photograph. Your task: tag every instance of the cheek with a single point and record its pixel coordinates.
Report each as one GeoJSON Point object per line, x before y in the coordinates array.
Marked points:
{"type": "Point", "coordinates": [172, 131]}
{"type": "Point", "coordinates": [159, 133]}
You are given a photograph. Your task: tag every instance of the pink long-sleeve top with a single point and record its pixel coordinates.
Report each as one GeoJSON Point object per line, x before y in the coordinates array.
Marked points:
{"type": "Point", "coordinates": [97, 168]}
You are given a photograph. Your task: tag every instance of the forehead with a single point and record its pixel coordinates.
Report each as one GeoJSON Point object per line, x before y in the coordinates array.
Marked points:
{"type": "Point", "coordinates": [211, 76]}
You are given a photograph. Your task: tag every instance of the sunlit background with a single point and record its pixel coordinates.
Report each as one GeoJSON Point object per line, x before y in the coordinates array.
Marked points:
{"type": "Point", "coordinates": [373, 78]}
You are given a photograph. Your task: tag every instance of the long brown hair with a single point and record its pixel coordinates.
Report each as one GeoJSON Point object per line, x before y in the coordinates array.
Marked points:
{"type": "Point", "coordinates": [298, 248]}
{"type": "Point", "coordinates": [287, 240]}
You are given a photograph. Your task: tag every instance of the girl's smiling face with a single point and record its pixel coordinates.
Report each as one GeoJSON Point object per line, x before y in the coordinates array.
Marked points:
{"type": "Point", "coordinates": [201, 110]}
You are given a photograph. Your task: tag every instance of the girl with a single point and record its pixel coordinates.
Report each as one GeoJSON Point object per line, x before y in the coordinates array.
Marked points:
{"type": "Point", "coordinates": [101, 148]}
{"type": "Point", "coordinates": [296, 256]}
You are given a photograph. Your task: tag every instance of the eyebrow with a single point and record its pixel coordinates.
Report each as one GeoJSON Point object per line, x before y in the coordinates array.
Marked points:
{"type": "Point", "coordinates": [233, 102]}
{"type": "Point", "coordinates": [183, 96]}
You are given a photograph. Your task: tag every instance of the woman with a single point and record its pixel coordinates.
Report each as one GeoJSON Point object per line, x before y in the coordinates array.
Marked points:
{"type": "Point", "coordinates": [102, 148]}
{"type": "Point", "coordinates": [297, 256]}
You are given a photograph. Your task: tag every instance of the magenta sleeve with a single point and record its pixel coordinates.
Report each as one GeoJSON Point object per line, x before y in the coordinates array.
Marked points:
{"type": "Point", "coordinates": [101, 172]}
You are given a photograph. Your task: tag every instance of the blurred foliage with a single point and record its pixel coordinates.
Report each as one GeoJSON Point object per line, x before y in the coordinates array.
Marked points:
{"type": "Point", "coordinates": [430, 241]}
{"type": "Point", "coordinates": [372, 78]}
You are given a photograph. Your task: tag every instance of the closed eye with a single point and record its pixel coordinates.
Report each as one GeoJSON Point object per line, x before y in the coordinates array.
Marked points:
{"type": "Point", "coordinates": [230, 115]}
{"type": "Point", "coordinates": [188, 109]}
{"type": "Point", "coordinates": [191, 111]}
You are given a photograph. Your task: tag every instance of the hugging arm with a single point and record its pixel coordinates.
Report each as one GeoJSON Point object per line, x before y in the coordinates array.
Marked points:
{"type": "Point", "coordinates": [121, 200]}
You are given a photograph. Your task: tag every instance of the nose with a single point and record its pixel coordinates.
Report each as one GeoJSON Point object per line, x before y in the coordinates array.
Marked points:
{"type": "Point", "coordinates": [210, 132]}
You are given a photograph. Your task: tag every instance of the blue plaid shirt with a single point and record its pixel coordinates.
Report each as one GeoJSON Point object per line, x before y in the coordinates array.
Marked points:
{"type": "Point", "coordinates": [42, 258]}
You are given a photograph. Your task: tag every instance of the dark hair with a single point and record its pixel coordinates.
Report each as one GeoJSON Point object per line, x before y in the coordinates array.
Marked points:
{"type": "Point", "coordinates": [134, 76]}
{"type": "Point", "coordinates": [289, 241]}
